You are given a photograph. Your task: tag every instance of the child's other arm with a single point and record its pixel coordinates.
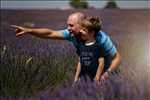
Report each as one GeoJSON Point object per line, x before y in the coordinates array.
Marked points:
{"type": "Point", "coordinates": [99, 70]}
{"type": "Point", "coordinates": [78, 70]}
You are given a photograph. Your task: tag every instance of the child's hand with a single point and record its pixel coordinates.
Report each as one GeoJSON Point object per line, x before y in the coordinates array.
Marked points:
{"type": "Point", "coordinates": [97, 80]}
{"type": "Point", "coordinates": [76, 82]}
{"type": "Point", "coordinates": [104, 77]}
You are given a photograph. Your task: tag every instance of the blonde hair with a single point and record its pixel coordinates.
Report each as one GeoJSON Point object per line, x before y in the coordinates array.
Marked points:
{"type": "Point", "coordinates": [91, 24]}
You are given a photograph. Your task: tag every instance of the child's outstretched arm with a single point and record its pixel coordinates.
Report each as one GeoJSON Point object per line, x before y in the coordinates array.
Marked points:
{"type": "Point", "coordinates": [78, 70]}
{"type": "Point", "coordinates": [99, 70]}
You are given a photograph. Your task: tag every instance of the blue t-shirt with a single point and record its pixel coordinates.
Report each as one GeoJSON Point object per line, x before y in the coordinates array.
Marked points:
{"type": "Point", "coordinates": [89, 56]}
{"type": "Point", "coordinates": [102, 39]}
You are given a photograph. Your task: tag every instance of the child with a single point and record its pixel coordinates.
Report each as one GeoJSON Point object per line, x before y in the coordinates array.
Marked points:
{"type": "Point", "coordinates": [91, 58]}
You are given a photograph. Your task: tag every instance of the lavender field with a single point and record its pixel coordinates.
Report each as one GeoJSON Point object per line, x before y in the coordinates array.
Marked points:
{"type": "Point", "coordinates": [43, 69]}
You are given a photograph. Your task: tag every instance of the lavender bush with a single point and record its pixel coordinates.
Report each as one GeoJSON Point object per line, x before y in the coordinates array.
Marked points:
{"type": "Point", "coordinates": [38, 69]}
{"type": "Point", "coordinates": [30, 69]}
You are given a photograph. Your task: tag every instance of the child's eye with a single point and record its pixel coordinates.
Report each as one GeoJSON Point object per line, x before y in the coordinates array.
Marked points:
{"type": "Point", "coordinates": [84, 30]}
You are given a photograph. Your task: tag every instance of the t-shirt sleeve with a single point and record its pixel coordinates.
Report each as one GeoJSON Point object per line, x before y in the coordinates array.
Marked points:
{"type": "Point", "coordinates": [108, 46]}
{"type": "Point", "coordinates": [78, 51]}
{"type": "Point", "coordinates": [101, 53]}
{"type": "Point", "coordinates": [65, 33]}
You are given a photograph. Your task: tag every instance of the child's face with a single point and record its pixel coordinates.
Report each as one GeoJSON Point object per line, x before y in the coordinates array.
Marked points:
{"type": "Point", "coordinates": [85, 34]}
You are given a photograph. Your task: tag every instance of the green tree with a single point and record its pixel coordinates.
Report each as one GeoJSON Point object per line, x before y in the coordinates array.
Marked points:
{"type": "Point", "coordinates": [111, 4]}
{"type": "Point", "coordinates": [83, 4]}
